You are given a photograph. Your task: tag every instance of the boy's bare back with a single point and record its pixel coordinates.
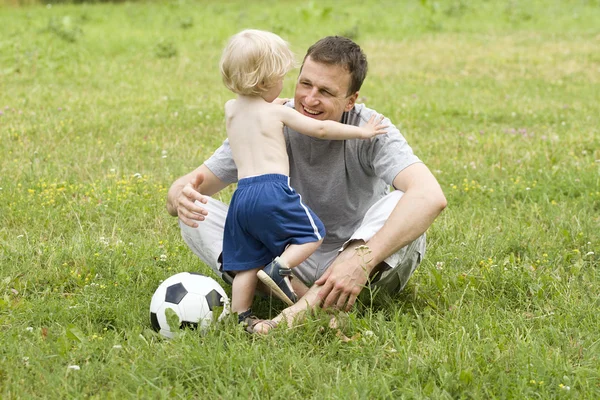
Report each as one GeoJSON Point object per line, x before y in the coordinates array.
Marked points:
{"type": "Point", "coordinates": [255, 133]}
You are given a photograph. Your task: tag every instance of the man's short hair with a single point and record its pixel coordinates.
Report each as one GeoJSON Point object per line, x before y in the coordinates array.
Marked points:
{"type": "Point", "coordinates": [254, 60]}
{"type": "Point", "coordinates": [339, 50]}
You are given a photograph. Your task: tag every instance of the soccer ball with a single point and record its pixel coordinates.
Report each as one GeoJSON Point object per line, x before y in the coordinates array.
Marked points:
{"type": "Point", "coordinates": [192, 297]}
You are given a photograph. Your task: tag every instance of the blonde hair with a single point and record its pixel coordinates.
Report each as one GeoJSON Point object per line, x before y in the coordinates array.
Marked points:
{"type": "Point", "coordinates": [254, 61]}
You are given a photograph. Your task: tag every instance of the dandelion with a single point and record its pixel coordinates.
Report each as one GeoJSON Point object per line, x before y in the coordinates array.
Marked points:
{"type": "Point", "coordinates": [74, 367]}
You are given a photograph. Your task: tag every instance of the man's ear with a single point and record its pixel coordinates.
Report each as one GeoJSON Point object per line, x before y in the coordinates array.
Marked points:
{"type": "Point", "coordinates": [351, 102]}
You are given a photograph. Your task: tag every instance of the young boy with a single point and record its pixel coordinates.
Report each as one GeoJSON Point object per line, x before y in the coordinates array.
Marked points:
{"type": "Point", "coordinates": [267, 222]}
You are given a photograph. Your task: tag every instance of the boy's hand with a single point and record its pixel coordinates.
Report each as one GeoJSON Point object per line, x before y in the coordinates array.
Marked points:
{"type": "Point", "coordinates": [374, 126]}
{"type": "Point", "coordinates": [280, 101]}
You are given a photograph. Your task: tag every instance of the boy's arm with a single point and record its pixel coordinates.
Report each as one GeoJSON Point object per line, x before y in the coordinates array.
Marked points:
{"type": "Point", "coordinates": [330, 129]}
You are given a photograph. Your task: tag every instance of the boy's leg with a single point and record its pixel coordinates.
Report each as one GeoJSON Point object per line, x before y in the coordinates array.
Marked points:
{"type": "Point", "coordinates": [242, 291]}
{"type": "Point", "coordinates": [295, 254]}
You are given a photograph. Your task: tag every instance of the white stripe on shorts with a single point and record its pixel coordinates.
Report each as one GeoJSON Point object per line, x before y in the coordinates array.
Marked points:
{"type": "Point", "coordinates": [310, 218]}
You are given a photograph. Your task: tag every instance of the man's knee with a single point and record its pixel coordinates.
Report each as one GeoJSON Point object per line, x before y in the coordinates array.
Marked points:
{"type": "Point", "coordinates": [399, 267]}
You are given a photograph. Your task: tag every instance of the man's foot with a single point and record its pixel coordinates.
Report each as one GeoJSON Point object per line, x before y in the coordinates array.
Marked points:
{"type": "Point", "coordinates": [253, 324]}
{"type": "Point", "coordinates": [276, 276]}
{"type": "Point", "coordinates": [261, 326]}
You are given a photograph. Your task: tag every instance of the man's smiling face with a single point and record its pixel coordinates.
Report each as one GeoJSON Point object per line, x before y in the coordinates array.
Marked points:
{"type": "Point", "coordinates": [322, 91]}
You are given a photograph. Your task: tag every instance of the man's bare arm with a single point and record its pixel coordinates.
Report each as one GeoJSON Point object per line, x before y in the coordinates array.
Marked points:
{"type": "Point", "coordinates": [184, 192]}
{"type": "Point", "coordinates": [422, 202]}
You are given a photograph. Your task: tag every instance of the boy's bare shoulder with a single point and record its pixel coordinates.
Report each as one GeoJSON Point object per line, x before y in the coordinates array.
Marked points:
{"type": "Point", "coordinates": [279, 109]}
{"type": "Point", "coordinates": [229, 104]}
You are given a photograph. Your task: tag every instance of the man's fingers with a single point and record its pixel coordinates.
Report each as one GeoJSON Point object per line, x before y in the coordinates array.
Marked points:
{"type": "Point", "coordinates": [192, 194]}
{"type": "Point", "coordinates": [351, 301]}
{"type": "Point", "coordinates": [184, 216]}
{"type": "Point", "coordinates": [331, 298]}
{"type": "Point", "coordinates": [196, 213]}
{"type": "Point", "coordinates": [191, 206]}
{"type": "Point", "coordinates": [340, 305]}
{"type": "Point", "coordinates": [323, 278]}
{"type": "Point", "coordinates": [325, 291]}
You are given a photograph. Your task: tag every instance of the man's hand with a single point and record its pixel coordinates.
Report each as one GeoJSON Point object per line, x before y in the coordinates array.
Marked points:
{"type": "Point", "coordinates": [187, 210]}
{"type": "Point", "coordinates": [344, 280]}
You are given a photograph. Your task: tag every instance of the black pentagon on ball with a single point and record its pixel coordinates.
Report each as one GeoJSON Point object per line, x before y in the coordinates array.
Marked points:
{"type": "Point", "coordinates": [154, 321]}
{"type": "Point", "coordinates": [175, 293]}
{"type": "Point", "coordinates": [189, 325]}
{"type": "Point", "coordinates": [214, 299]}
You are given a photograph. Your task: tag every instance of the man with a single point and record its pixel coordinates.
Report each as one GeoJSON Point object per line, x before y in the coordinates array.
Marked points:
{"type": "Point", "coordinates": [372, 233]}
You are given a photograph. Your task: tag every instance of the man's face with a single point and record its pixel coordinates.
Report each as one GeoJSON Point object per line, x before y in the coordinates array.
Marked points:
{"type": "Point", "coordinates": [322, 91]}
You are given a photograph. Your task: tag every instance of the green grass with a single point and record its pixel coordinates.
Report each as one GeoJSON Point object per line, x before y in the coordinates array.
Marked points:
{"type": "Point", "coordinates": [103, 106]}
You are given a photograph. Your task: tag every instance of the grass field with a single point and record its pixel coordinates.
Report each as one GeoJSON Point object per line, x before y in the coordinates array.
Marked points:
{"type": "Point", "coordinates": [104, 106]}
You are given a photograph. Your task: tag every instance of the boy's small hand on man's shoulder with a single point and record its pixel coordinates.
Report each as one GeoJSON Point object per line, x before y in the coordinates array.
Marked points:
{"type": "Point", "coordinates": [281, 101]}
{"type": "Point", "coordinates": [374, 126]}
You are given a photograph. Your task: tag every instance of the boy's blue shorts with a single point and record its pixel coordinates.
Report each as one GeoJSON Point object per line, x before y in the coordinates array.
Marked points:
{"type": "Point", "coordinates": [265, 216]}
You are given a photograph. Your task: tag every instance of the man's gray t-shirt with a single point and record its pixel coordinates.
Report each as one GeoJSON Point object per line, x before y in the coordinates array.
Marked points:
{"type": "Point", "coordinates": [338, 179]}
